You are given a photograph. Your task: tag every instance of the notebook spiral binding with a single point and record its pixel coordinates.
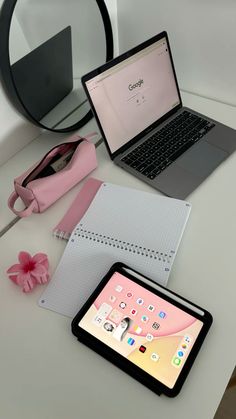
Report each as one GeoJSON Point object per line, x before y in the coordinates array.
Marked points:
{"type": "Point", "coordinates": [123, 245]}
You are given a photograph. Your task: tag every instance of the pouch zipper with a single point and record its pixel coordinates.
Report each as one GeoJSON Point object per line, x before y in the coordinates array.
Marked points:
{"type": "Point", "coordinates": [26, 181]}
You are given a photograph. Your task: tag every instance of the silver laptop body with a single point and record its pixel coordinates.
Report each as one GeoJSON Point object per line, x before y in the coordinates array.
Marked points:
{"type": "Point", "coordinates": [136, 101]}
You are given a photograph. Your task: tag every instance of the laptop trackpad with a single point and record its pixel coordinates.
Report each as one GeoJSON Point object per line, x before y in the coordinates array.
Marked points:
{"type": "Point", "coordinates": [202, 159]}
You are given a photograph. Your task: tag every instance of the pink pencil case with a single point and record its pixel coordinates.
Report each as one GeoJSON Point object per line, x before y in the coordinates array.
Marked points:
{"type": "Point", "coordinates": [56, 173]}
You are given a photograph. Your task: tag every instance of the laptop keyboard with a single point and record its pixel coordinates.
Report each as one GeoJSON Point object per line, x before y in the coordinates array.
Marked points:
{"type": "Point", "coordinates": [165, 146]}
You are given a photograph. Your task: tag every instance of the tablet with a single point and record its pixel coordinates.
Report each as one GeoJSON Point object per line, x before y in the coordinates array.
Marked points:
{"type": "Point", "coordinates": [148, 331]}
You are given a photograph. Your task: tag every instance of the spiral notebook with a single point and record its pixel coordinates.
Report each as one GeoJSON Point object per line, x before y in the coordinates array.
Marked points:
{"type": "Point", "coordinates": [122, 224]}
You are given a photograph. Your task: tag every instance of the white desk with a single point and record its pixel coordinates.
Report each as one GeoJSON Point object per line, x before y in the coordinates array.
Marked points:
{"type": "Point", "coordinates": [45, 373]}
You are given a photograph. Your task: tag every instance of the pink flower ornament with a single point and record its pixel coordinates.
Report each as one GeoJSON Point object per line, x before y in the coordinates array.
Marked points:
{"type": "Point", "coordinates": [30, 271]}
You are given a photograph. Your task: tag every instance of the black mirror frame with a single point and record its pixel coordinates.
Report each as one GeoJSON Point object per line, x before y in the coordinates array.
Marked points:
{"type": "Point", "coordinates": [6, 78]}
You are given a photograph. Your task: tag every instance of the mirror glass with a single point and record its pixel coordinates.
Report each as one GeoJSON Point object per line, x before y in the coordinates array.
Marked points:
{"type": "Point", "coordinates": [52, 43]}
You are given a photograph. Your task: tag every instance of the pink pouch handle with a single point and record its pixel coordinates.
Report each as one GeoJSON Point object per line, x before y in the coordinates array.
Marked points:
{"type": "Point", "coordinates": [24, 213]}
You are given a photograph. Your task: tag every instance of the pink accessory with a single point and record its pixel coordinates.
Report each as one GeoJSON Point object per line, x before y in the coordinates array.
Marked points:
{"type": "Point", "coordinates": [77, 209]}
{"type": "Point", "coordinates": [30, 271]}
{"type": "Point", "coordinates": [50, 178]}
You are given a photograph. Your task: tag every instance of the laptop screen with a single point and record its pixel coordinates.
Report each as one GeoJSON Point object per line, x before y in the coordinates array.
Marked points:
{"type": "Point", "coordinates": [131, 95]}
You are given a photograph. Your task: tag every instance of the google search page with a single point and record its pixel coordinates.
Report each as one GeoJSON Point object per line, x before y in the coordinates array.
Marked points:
{"type": "Point", "coordinates": [134, 94]}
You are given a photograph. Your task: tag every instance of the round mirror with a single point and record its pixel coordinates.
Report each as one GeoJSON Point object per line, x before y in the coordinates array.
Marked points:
{"type": "Point", "coordinates": [45, 48]}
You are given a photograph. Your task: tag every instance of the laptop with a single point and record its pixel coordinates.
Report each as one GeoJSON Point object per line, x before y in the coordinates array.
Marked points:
{"type": "Point", "coordinates": [136, 102]}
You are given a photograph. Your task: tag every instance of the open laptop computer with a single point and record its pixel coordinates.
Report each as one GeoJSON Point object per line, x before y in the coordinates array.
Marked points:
{"type": "Point", "coordinates": [136, 101]}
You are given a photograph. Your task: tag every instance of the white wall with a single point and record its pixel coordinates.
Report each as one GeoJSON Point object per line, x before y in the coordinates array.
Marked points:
{"type": "Point", "coordinates": [202, 35]}
{"type": "Point", "coordinates": [15, 132]}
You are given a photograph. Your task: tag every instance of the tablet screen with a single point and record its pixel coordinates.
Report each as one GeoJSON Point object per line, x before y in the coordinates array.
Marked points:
{"type": "Point", "coordinates": [143, 327]}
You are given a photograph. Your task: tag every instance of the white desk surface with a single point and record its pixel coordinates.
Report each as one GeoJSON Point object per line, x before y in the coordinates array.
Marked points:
{"type": "Point", "coordinates": [45, 373]}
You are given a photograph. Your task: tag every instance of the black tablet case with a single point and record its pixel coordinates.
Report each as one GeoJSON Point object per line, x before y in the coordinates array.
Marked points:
{"type": "Point", "coordinates": [117, 360]}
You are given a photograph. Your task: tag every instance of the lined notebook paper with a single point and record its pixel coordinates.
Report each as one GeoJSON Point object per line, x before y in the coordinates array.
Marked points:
{"type": "Point", "coordinates": [122, 224]}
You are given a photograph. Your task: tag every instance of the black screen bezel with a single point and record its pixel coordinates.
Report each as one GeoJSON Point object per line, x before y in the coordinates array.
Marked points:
{"type": "Point", "coordinates": [126, 365]}
{"type": "Point", "coordinates": [112, 63]}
